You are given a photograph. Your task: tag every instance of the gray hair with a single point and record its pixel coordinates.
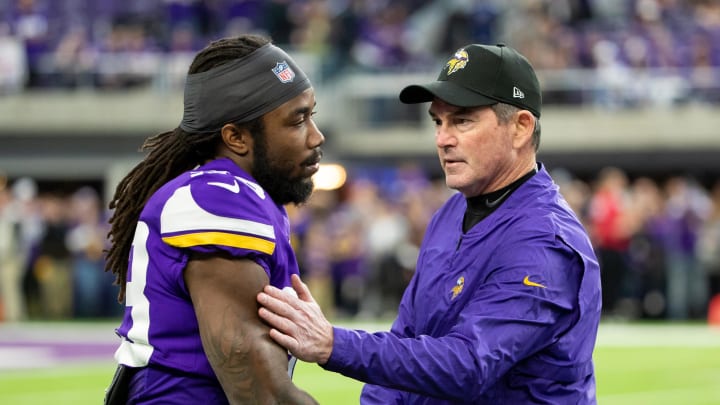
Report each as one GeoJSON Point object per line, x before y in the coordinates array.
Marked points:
{"type": "Point", "coordinates": [504, 112]}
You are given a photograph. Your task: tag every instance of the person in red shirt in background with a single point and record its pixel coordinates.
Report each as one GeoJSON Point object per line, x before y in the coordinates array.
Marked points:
{"type": "Point", "coordinates": [611, 228]}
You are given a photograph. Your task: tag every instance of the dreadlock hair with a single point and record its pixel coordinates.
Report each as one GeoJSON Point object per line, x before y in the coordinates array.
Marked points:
{"type": "Point", "coordinates": [170, 154]}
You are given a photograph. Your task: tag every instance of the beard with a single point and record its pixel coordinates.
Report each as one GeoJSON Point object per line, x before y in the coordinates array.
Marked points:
{"type": "Point", "coordinates": [276, 178]}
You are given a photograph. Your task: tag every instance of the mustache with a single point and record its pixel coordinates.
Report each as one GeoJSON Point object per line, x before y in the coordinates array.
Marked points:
{"type": "Point", "coordinates": [314, 158]}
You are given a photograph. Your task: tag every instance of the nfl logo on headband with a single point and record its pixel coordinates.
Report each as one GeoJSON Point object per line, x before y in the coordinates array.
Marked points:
{"type": "Point", "coordinates": [283, 72]}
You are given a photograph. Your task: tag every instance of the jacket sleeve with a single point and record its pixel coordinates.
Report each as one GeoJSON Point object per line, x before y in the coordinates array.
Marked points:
{"type": "Point", "coordinates": [379, 395]}
{"type": "Point", "coordinates": [505, 322]}
{"type": "Point", "coordinates": [402, 327]}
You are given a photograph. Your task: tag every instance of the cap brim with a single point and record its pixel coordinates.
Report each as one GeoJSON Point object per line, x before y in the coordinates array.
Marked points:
{"type": "Point", "coordinates": [446, 91]}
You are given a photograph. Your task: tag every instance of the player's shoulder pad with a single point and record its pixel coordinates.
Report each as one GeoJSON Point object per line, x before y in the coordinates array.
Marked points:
{"type": "Point", "coordinates": [224, 180]}
{"type": "Point", "coordinates": [211, 199]}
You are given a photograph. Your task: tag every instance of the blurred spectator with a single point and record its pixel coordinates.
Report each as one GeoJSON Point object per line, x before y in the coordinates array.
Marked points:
{"type": "Point", "coordinates": [23, 212]}
{"type": "Point", "coordinates": [94, 295]}
{"type": "Point", "coordinates": [703, 73]}
{"type": "Point", "coordinates": [74, 61]}
{"type": "Point", "coordinates": [708, 248]}
{"type": "Point", "coordinates": [313, 243]}
{"type": "Point", "coordinates": [647, 250]}
{"type": "Point", "coordinates": [577, 194]}
{"type": "Point", "coordinates": [348, 265]}
{"type": "Point", "coordinates": [386, 238]}
{"type": "Point", "coordinates": [312, 27]}
{"type": "Point", "coordinates": [687, 284]}
{"type": "Point", "coordinates": [10, 256]}
{"type": "Point", "coordinates": [31, 26]}
{"type": "Point", "coordinates": [276, 20]}
{"type": "Point", "coordinates": [344, 30]}
{"type": "Point", "coordinates": [48, 278]}
{"type": "Point", "coordinates": [382, 44]}
{"type": "Point", "coordinates": [611, 221]}
{"type": "Point", "coordinates": [128, 56]}
{"type": "Point", "coordinates": [186, 13]}
{"type": "Point", "coordinates": [13, 62]}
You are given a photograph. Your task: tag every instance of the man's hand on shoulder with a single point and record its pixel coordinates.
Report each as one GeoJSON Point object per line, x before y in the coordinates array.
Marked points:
{"type": "Point", "coordinates": [297, 322]}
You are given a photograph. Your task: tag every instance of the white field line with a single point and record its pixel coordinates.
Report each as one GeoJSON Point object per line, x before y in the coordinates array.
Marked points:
{"type": "Point", "coordinates": [25, 357]}
{"type": "Point", "coordinates": [609, 334]}
{"type": "Point", "coordinates": [61, 332]}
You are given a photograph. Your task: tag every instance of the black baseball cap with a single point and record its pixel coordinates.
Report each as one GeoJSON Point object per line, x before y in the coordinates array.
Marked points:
{"type": "Point", "coordinates": [478, 75]}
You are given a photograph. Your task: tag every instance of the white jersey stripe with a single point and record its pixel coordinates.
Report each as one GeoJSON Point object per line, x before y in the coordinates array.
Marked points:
{"type": "Point", "coordinates": [182, 214]}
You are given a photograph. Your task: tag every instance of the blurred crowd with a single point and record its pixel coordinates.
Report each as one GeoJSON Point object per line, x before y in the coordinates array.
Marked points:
{"type": "Point", "coordinates": [666, 51]}
{"type": "Point", "coordinates": [658, 242]}
{"type": "Point", "coordinates": [658, 239]}
{"type": "Point", "coordinates": [52, 254]}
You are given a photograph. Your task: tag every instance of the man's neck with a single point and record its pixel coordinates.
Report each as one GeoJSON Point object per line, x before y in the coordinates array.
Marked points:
{"type": "Point", "coordinates": [480, 206]}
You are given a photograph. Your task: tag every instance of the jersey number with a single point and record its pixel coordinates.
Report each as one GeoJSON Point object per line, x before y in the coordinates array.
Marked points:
{"type": "Point", "coordinates": [137, 354]}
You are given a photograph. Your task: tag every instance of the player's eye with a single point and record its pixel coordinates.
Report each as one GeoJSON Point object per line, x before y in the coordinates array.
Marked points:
{"type": "Point", "coordinates": [305, 118]}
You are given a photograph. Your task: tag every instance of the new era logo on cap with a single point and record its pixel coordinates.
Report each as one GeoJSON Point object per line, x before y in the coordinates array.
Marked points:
{"type": "Point", "coordinates": [517, 93]}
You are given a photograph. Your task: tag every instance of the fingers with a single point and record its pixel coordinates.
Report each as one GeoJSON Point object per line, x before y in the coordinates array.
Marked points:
{"type": "Point", "coordinates": [281, 329]}
{"type": "Point", "coordinates": [285, 333]}
{"type": "Point", "coordinates": [285, 341]}
{"type": "Point", "coordinates": [279, 300]}
{"type": "Point", "coordinates": [301, 289]}
{"type": "Point", "coordinates": [276, 321]}
{"type": "Point", "coordinates": [296, 323]}
{"type": "Point", "coordinates": [280, 304]}
{"type": "Point", "coordinates": [302, 293]}
{"type": "Point", "coordinates": [274, 292]}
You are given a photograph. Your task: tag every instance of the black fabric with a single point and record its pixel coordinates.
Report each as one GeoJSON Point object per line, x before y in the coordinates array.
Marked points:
{"type": "Point", "coordinates": [117, 392]}
{"type": "Point", "coordinates": [241, 90]}
{"type": "Point", "coordinates": [479, 207]}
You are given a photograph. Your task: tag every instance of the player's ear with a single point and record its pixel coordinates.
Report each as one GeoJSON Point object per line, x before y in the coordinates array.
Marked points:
{"type": "Point", "coordinates": [236, 138]}
{"type": "Point", "coordinates": [524, 125]}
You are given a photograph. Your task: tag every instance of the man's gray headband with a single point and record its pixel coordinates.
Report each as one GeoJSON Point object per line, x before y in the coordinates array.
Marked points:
{"type": "Point", "coordinates": [241, 90]}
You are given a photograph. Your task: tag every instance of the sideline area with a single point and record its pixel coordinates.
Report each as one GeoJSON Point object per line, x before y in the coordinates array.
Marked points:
{"type": "Point", "coordinates": [636, 363]}
{"type": "Point", "coordinates": [34, 345]}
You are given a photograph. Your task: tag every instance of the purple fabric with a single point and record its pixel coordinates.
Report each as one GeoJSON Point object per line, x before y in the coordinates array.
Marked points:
{"type": "Point", "coordinates": [217, 198]}
{"type": "Point", "coordinates": [471, 330]}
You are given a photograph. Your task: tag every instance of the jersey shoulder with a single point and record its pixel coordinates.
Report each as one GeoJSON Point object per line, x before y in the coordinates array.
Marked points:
{"type": "Point", "coordinates": [215, 207]}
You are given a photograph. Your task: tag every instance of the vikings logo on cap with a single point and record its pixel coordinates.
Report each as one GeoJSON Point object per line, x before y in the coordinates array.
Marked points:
{"type": "Point", "coordinates": [457, 62]}
{"type": "Point", "coordinates": [283, 72]}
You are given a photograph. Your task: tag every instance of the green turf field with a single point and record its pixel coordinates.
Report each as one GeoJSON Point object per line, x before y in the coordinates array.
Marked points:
{"type": "Point", "coordinates": [635, 365]}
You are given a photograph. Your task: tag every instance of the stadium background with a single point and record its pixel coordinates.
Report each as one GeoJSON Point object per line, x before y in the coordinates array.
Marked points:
{"type": "Point", "coordinates": [631, 92]}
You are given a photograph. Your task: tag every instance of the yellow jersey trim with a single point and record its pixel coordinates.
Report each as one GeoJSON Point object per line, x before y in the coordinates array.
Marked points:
{"type": "Point", "coordinates": [223, 239]}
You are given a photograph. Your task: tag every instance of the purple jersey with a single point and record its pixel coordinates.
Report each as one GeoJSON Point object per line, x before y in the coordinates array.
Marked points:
{"type": "Point", "coordinates": [506, 313]}
{"type": "Point", "coordinates": [215, 209]}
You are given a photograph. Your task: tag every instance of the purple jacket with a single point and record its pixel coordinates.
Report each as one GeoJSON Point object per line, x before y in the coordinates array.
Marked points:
{"type": "Point", "coordinates": [506, 313]}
